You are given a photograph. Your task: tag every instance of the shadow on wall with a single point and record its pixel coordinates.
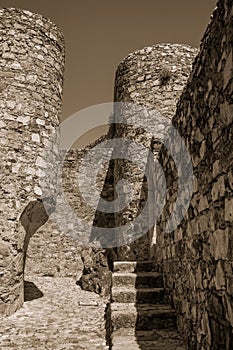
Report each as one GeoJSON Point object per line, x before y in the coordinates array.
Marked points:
{"type": "Point", "coordinates": [102, 219]}
{"type": "Point", "coordinates": [31, 291]}
{"type": "Point", "coordinates": [32, 218]}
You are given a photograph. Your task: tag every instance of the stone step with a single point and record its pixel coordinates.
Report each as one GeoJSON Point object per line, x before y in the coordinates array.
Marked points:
{"type": "Point", "coordinates": [131, 344]}
{"type": "Point", "coordinates": [135, 266]}
{"type": "Point", "coordinates": [139, 279]}
{"type": "Point", "coordinates": [139, 310]}
{"type": "Point", "coordinates": [139, 295]}
{"type": "Point", "coordinates": [147, 340]}
{"type": "Point", "coordinates": [142, 317]}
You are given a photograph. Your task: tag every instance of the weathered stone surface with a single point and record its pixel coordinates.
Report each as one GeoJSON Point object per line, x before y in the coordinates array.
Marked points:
{"type": "Point", "coordinates": [196, 258]}
{"type": "Point", "coordinates": [153, 78]}
{"type": "Point", "coordinates": [55, 249]}
{"type": "Point", "coordinates": [136, 322]}
{"type": "Point", "coordinates": [4, 248]}
{"type": "Point", "coordinates": [31, 87]}
{"type": "Point", "coordinates": [96, 275]}
{"type": "Point", "coordinates": [51, 253]}
{"type": "Point", "coordinates": [58, 315]}
{"type": "Point", "coordinates": [198, 273]}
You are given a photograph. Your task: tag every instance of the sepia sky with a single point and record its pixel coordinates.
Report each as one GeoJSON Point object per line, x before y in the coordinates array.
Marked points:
{"type": "Point", "coordinates": [100, 33]}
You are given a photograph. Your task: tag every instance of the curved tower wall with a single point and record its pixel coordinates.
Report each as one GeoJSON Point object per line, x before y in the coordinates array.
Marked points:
{"type": "Point", "coordinates": [31, 70]}
{"type": "Point", "coordinates": [141, 76]}
{"type": "Point", "coordinates": [153, 77]}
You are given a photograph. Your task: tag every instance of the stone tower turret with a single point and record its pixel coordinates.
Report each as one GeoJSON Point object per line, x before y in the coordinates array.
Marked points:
{"type": "Point", "coordinates": [153, 77]}
{"type": "Point", "coordinates": [31, 70]}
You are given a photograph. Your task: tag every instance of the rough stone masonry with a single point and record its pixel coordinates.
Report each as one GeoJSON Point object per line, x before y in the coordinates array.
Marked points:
{"type": "Point", "coordinates": [31, 70]}
{"type": "Point", "coordinates": [196, 257]}
{"type": "Point", "coordinates": [154, 78]}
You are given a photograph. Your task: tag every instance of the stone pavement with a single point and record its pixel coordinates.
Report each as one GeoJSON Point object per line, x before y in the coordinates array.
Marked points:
{"type": "Point", "coordinates": [62, 318]}
{"type": "Point", "coordinates": [58, 315]}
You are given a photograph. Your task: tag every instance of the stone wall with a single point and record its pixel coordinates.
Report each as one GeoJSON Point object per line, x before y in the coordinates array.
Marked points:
{"type": "Point", "coordinates": [62, 247]}
{"type": "Point", "coordinates": [31, 70]}
{"type": "Point", "coordinates": [196, 257]}
{"type": "Point", "coordinates": [154, 78]}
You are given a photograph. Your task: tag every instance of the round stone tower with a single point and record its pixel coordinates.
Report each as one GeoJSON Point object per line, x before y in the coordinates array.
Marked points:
{"type": "Point", "coordinates": [31, 70]}
{"type": "Point", "coordinates": [154, 78]}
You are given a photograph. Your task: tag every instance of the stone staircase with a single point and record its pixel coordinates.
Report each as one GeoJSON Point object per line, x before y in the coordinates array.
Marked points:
{"type": "Point", "coordinates": [140, 315]}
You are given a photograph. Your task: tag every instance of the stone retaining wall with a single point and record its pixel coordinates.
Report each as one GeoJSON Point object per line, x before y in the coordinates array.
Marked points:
{"type": "Point", "coordinates": [196, 257]}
